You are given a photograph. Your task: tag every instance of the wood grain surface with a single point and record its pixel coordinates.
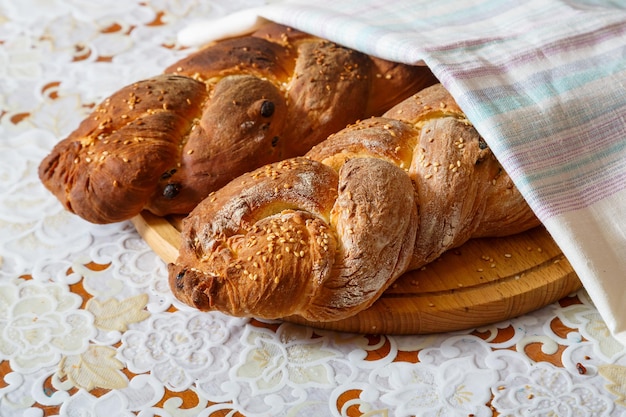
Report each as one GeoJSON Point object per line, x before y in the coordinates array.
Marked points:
{"type": "Point", "coordinates": [482, 282]}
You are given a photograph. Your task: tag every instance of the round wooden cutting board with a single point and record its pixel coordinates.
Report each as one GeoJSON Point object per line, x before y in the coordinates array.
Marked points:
{"type": "Point", "coordinates": [482, 282]}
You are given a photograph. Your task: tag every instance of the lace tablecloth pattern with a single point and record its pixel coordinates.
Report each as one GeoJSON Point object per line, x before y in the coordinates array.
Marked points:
{"type": "Point", "coordinates": [88, 326]}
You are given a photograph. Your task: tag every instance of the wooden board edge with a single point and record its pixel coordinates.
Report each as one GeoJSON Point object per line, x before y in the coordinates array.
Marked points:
{"type": "Point", "coordinates": [423, 315]}
{"type": "Point", "coordinates": [159, 234]}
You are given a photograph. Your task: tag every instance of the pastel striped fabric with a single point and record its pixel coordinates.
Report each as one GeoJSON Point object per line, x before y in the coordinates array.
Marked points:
{"type": "Point", "coordinates": [544, 82]}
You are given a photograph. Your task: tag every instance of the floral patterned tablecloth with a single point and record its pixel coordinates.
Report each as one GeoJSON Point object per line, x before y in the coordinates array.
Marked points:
{"type": "Point", "coordinates": [88, 326]}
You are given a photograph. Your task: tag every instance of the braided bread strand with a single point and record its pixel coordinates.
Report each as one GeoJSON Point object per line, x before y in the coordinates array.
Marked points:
{"type": "Point", "coordinates": [165, 143]}
{"type": "Point", "coordinates": [322, 236]}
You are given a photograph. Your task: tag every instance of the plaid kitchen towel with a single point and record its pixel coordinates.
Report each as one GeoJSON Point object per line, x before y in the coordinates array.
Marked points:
{"type": "Point", "coordinates": [543, 81]}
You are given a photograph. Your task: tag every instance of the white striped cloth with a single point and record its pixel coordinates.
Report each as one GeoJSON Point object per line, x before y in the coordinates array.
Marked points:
{"type": "Point", "coordinates": [543, 81]}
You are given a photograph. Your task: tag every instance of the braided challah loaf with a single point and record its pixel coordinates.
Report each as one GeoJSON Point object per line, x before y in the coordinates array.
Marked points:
{"type": "Point", "coordinates": [322, 236]}
{"type": "Point", "coordinates": [163, 144]}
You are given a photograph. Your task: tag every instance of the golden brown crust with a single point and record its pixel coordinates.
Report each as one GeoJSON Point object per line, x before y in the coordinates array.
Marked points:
{"type": "Point", "coordinates": [325, 237]}
{"type": "Point", "coordinates": [108, 168]}
{"type": "Point", "coordinates": [250, 234]}
{"type": "Point", "coordinates": [224, 110]}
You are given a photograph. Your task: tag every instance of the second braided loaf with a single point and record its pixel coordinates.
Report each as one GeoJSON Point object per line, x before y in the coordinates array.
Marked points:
{"type": "Point", "coordinates": [322, 236]}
